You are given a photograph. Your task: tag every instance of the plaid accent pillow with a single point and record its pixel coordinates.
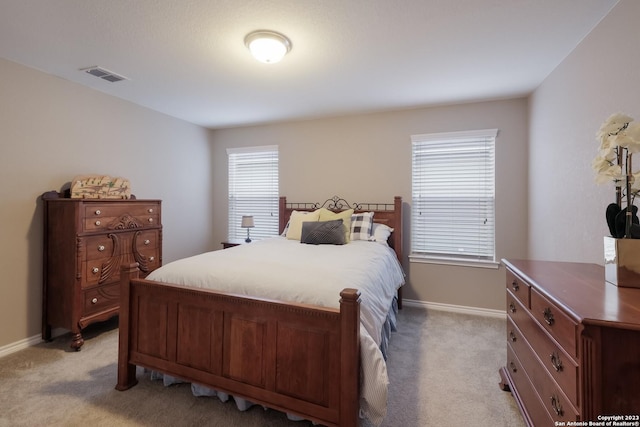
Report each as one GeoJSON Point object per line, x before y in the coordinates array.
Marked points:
{"type": "Point", "coordinates": [361, 226]}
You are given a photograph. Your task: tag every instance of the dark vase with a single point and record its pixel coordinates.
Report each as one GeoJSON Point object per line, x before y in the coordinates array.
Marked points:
{"type": "Point", "coordinates": [621, 221]}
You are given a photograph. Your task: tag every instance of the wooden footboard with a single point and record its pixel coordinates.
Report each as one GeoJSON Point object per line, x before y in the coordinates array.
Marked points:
{"type": "Point", "coordinates": [295, 358]}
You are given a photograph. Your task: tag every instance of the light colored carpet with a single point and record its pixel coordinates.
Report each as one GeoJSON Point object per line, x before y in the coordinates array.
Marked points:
{"type": "Point", "coordinates": [443, 369]}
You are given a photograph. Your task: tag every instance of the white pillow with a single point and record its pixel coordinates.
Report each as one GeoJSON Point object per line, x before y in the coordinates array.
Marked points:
{"type": "Point", "coordinates": [381, 233]}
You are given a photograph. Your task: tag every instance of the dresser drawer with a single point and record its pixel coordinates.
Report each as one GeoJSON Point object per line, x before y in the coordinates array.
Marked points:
{"type": "Point", "coordinates": [94, 272]}
{"type": "Point", "coordinates": [120, 216]}
{"type": "Point", "coordinates": [557, 363]}
{"type": "Point", "coordinates": [555, 321]}
{"type": "Point", "coordinates": [101, 298]}
{"type": "Point", "coordinates": [148, 259]}
{"type": "Point", "coordinates": [515, 310]}
{"type": "Point", "coordinates": [98, 246]}
{"type": "Point", "coordinates": [98, 210]}
{"type": "Point", "coordinates": [525, 391]}
{"type": "Point", "coordinates": [552, 396]}
{"type": "Point", "coordinates": [518, 288]}
{"type": "Point", "coordinates": [120, 222]}
{"type": "Point", "coordinates": [110, 244]}
{"type": "Point", "coordinates": [104, 270]}
{"type": "Point", "coordinates": [145, 240]}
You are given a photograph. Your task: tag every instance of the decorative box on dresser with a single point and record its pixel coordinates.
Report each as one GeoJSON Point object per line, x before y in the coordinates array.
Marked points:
{"type": "Point", "coordinates": [573, 351]}
{"type": "Point", "coordinates": [85, 243]}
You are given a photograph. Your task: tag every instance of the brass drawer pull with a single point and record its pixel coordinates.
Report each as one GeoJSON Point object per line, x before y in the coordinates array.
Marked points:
{"type": "Point", "coordinates": [512, 307]}
{"type": "Point", "coordinates": [150, 219]}
{"type": "Point", "coordinates": [548, 316]}
{"type": "Point", "coordinates": [94, 301]}
{"type": "Point", "coordinates": [150, 210]}
{"type": "Point", "coordinates": [151, 258]}
{"type": "Point", "coordinates": [100, 248]}
{"type": "Point", "coordinates": [512, 336]}
{"type": "Point", "coordinates": [147, 241]}
{"type": "Point", "coordinates": [95, 270]}
{"type": "Point", "coordinates": [515, 285]}
{"type": "Point", "coordinates": [98, 212]}
{"type": "Point", "coordinates": [556, 362]}
{"type": "Point", "coordinates": [555, 404]}
{"type": "Point", "coordinates": [98, 223]}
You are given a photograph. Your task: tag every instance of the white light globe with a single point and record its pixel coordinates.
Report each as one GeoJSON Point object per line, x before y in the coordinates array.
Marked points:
{"type": "Point", "coordinates": [267, 46]}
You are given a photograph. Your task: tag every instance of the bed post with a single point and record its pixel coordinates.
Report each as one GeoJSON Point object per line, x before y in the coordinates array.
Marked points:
{"type": "Point", "coordinates": [126, 371]}
{"type": "Point", "coordinates": [282, 221]}
{"type": "Point", "coordinates": [397, 237]}
{"type": "Point", "coordinates": [350, 357]}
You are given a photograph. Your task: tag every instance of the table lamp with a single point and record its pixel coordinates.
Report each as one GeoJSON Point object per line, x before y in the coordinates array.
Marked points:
{"type": "Point", "coordinates": [247, 222]}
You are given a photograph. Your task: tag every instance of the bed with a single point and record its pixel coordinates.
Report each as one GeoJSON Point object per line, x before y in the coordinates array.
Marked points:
{"type": "Point", "coordinates": [283, 353]}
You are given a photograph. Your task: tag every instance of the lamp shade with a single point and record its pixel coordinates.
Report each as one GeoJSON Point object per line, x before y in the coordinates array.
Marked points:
{"type": "Point", "coordinates": [247, 221]}
{"type": "Point", "coordinates": [267, 46]}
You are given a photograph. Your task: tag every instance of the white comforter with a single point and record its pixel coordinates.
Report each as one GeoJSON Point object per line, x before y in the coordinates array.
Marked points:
{"type": "Point", "coordinates": [288, 270]}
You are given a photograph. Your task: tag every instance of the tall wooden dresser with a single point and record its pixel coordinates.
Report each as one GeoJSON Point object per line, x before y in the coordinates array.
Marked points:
{"type": "Point", "coordinates": [85, 243]}
{"type": "Point", "coordinates": [573, 350]}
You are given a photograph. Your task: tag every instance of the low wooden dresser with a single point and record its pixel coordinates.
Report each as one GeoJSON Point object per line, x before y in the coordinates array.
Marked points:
{"type": "Point", "coordinates": [85, 243]}
{"type": "Point", "coordinates": [573, 351]}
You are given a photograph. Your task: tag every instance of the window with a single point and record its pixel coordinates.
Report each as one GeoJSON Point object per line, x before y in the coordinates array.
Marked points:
{"type": "Point", "coordinates": [453, 197]}
{"type": "Point", "coordinates": [253, 190]}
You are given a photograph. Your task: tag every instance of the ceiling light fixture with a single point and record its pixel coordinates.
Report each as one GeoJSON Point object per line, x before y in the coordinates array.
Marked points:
{"type": "Point", "coordinates": [267, 46]}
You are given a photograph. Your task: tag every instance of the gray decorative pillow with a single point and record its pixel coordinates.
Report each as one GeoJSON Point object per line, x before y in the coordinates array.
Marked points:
{"type": "Point", "coordinates": [323, 232]}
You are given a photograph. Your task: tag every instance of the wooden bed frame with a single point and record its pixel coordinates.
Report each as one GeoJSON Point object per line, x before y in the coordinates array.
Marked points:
{"type": "Point", "coordinates": [296, 358]}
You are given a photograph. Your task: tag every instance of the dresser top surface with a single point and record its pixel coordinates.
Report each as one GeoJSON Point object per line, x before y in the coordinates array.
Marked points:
{"type": "Point", "coordinates": [581, 290]}
{"type": "Point", "coordinates": [103, 201]}
{"type": "Point", "coordinates": [54, 196]}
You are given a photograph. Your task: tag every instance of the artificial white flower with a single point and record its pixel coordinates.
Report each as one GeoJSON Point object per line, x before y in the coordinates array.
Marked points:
{"type": "Point", "coordinates": [633, 131]}
{"type": "Point", "coordinates": [619, 140]}
{"type": "Point", "coordinates": [624, 140]}
{"type": "Point", "coordinates": [616, 121]}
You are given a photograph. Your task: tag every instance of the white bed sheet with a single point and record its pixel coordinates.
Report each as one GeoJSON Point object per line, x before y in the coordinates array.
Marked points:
{"type": "Point", "coordinates": [314, 274]}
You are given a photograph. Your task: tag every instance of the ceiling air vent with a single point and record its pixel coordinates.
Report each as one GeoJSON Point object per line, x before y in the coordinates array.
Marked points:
{"type": "Point", "coordinates": [104, 74]}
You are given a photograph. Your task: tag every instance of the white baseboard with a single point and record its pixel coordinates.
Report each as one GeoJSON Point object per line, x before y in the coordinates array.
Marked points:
{"type": "Point", "coordinates": [477, 311]}
{"type": "Point", "coordinates": [28, 342]}
{"type": "Point", "coordinates": [19, 345]}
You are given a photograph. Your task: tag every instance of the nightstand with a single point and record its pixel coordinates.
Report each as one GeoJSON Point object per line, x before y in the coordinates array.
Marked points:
{"type": "Point", "coordinates": [232, 242]}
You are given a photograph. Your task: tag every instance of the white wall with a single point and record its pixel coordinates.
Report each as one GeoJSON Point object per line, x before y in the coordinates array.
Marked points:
{"type": "Point", "coordinates": [367, 158]}
{"type": "Point", "coordinates": [601, 77]}
{"type": "Point", "coordinates": [52, 130]}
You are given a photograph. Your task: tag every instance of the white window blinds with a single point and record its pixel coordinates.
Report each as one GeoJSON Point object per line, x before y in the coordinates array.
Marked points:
{"type": "Point", "coordinates": [253, 190]}
{"type": "Point", "coordinates": [453, 194]}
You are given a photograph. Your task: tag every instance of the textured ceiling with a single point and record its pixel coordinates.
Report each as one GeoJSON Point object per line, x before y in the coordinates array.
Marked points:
{"type": "Point", "coordinates": [186, 58]}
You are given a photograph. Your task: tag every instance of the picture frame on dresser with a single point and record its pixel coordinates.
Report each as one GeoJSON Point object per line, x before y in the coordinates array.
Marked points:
{"type": "Point", "coordinates": [85, 242]}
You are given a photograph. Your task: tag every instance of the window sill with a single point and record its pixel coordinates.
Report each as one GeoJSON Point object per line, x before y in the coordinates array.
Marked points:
{"type": "Point", "coordinates": [422, 259]}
